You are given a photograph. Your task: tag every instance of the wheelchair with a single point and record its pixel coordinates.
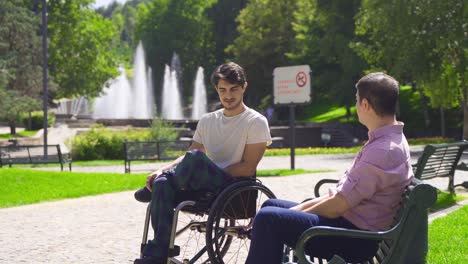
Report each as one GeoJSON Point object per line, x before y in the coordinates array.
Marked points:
{"type": "Point", "coordinates": [213, 227]}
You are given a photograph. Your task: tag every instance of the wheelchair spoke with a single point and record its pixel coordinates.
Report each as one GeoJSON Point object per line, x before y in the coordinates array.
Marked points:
{"type": "Point", "coordinates": [231, 219]}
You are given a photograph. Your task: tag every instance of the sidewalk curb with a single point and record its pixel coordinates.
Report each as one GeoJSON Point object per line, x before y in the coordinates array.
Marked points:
{"type": "Point", "coordinates": [447, 211]}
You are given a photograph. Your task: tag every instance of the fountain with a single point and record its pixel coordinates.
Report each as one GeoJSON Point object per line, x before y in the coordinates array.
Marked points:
{"type": "Point", "coordinates": [121, 100]}
{"type": "Point", "coordinates": [199, 105]}
{"type": "Point", "coordinates": [171, 101]}
{"type": "Point", "coordinates": [115, 103]}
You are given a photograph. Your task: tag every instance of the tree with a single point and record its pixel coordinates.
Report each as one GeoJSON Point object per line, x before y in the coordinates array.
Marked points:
{"type": "Point", "coordinates": [81, 58]}
{"type": "Point", "coordinates": [223, 15]}
{"type": "Point", "coordinates": [323, 33]}
{"type": "Point", "coordinates": [419, 42]}
{"type": "Point", "coordinates": [20, 61]}
{"type": "Point", "coordinates": [265, 36]}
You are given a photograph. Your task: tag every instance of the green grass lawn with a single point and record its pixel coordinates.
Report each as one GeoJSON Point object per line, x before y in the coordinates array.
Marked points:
{"type": "Point", "coordinates": [24, 133]}
{"type": "Point", "coordinates": [448, 238]}
{"type": "Point", "coordinates": [21, 186]}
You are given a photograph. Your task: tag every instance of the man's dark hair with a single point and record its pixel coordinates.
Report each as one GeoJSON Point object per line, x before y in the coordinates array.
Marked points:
{"type": "Point", "coordinates": [381, 91]}
{"type": "Point", "coordinates": [230, 72]}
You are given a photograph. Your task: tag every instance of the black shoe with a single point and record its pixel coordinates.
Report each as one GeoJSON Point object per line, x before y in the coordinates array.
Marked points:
{"type": "Point", "coordinates": [143, 195]}
{"type": "Point", "coordinates": [150, 260]}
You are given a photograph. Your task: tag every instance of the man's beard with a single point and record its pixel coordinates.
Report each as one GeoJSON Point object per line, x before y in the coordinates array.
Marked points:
{"type": "Point", "coordinates": [232, 105]}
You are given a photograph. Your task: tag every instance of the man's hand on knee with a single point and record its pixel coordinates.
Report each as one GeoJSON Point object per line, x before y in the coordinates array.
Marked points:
{"type": "Point", "coordinates": [150, 179]}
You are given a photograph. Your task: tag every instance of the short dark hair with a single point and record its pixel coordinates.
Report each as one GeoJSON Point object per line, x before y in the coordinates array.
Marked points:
{"type": "Point", "coordinates": [381, 91]}
{"type": "Point", "coordinates": [230, 72]}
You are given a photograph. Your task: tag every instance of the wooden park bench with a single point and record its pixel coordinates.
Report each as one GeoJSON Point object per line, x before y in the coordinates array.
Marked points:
{"type": "Point", "coordinates": [405, 242]}
{"type": "Point", "coordinates": [153, 150]}
{"type": "Point", "coordinates": [440, 160]}
{"type": "Point", "coordinates": [33, 154]}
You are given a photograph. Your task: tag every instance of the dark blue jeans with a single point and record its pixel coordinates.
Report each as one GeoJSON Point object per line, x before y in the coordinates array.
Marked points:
{"type": "Point", "coordinates": [194, 173]}
{"type": "Point", "coordinates": [275, 225]}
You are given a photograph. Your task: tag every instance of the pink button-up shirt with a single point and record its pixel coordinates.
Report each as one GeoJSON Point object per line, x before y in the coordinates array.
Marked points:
{"type": "Point", "coordinates": [374, 184]}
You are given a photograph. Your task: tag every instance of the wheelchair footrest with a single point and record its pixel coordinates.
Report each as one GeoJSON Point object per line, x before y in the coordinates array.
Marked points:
{"type": "Point", "coordinates": [173, 252]}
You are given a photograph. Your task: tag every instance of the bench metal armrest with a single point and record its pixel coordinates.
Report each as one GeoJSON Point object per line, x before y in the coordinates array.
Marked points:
{"type": "Point", "coordinates": [320, 183]}
{"type": "Point", "coordinates": [334, 231]}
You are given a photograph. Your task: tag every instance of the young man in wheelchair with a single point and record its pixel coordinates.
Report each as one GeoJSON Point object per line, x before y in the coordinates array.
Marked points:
{"type": "Point", "coordinates": [366, 197]}
{"type": "Point", "coordinates": [228, 143]}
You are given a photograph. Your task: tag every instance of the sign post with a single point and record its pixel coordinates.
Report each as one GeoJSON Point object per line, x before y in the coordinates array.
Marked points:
{"type": "Point", "coordinates": [291, 86]}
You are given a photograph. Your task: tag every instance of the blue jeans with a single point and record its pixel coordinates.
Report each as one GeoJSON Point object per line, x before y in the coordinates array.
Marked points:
{"type": "Point", "coordinates": [275, 225]}
{"type": "Point", "coordinates": [194, 173]}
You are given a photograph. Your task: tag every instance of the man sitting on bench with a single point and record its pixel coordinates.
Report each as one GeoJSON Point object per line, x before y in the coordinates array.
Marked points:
{"type": "Point", "coordinates": [366, 197]}
{"type": "Point", "coordinates": [228, 143]}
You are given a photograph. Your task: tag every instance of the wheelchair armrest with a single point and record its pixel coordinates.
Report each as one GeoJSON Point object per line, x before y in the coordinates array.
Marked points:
{"type": "Point", "coordinates": [334, 231]}
{"type": "Point", "coordinates": [320, 183]}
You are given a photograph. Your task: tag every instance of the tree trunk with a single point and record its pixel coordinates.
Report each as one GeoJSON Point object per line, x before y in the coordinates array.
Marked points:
{"type": "Point", "coordinates": [465, 121]}
{"type": "Point", "coordinates": [30, 121]}
{"type": "Point", "coordinates": [12, 125]}
{"type": "Point", "coordinates": [442, 122]}
{"type": "Point", "coordinates": [424, 104]}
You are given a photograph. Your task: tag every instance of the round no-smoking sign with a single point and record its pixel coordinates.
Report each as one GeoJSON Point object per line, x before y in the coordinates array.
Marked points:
{"type": "Point", "coordinates": [301, 79]}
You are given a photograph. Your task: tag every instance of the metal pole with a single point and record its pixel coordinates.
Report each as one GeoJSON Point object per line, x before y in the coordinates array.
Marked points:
{"type": "Point", "coordinates": [44, 71]}
{"type": "Point", "coordinates": [292, 129]}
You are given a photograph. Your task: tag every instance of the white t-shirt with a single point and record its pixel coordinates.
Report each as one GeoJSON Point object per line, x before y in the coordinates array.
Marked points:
{"type": "Point", "coordinates": [224, 138]}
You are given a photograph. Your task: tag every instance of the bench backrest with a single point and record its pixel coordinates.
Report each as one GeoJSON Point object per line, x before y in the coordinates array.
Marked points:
{"type": "Point", "coordinates": [439, 160]}
{"type": "Point", "coordinates": [154, 150]}
{"type": "Point", "coordinates": [408, 237]}
{"type": "Point", "coordinates": [30, 154]}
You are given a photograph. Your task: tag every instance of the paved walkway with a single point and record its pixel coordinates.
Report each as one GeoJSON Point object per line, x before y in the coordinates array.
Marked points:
{"type": "Point", "coordinates": [107, 228]}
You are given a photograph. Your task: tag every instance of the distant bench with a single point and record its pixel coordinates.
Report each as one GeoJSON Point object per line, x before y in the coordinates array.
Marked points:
{"type": "Point", "coordinates": [33, 154]}
{"type": "Point", "coordinates": [153, 150]}
{"type": "Point", "coordinates": [440, 160]}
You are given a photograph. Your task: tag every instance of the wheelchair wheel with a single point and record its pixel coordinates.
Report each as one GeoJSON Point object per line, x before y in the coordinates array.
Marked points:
{"type": "Point", "coordinates": [231, 219]}
{"type": "Point", "coordinates": [190, 237]}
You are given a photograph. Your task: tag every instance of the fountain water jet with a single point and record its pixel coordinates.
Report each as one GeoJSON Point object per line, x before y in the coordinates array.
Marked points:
{"type": "Point", "coordinates": [115, 103]}
{"type": "Point", "coordinates": [121, 100]}
{"type": "Point", "coordinates": [199, 106]}
{"type": "Point", "coordinates": [171, 100]}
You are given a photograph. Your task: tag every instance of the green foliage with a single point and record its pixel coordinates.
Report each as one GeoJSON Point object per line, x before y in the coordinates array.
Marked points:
{"type": "Point", "coordinates": [37, 120]}
{"type": "Point", "coordinates": [265, 36]}
{"type": "Point", "coordinates": [101, 143]}
{"type": "Point", "coordinates": [81, 58]}
{"type": "Point", "coordinates": [12, 105]}
{"type": "Point", "coordinates": [20, 49]}
{"type": "Point", "coordinates": [323, 33]}
{"type": "Point", "coordinates": [419, 42]}
{"type": "Point", "coordinates": [162, 130]}
{"type": "Point", "coordinates": [22, 186]}
{"type": "Point", "coordinates": [20, 61]}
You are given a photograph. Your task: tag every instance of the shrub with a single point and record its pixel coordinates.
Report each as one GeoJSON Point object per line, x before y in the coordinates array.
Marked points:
{"type": "Point", "coordinates": [37, 120]}
{"type": "Point", "coordinates": [162, 130]}
{"type": "Point", "coordinates": [102, 143]}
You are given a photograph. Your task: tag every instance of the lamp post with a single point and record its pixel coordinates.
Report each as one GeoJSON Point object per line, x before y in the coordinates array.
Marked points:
{"type": "Point", "coordinates": [44, 71]}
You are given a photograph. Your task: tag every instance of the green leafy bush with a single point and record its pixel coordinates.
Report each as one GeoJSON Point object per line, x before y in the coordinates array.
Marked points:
{"type": "Point", "coordinates": [37, 120]}
{"type": "Point", "coordinates": [103, 143]}
{"type": "Point", "coordinates": [162, 130]}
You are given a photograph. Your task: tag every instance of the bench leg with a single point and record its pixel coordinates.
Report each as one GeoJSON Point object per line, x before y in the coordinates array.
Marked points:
{"type": "Point", "coordinates": [69, 166]}
{"type": "Point", "coordinates": [451, 188]}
